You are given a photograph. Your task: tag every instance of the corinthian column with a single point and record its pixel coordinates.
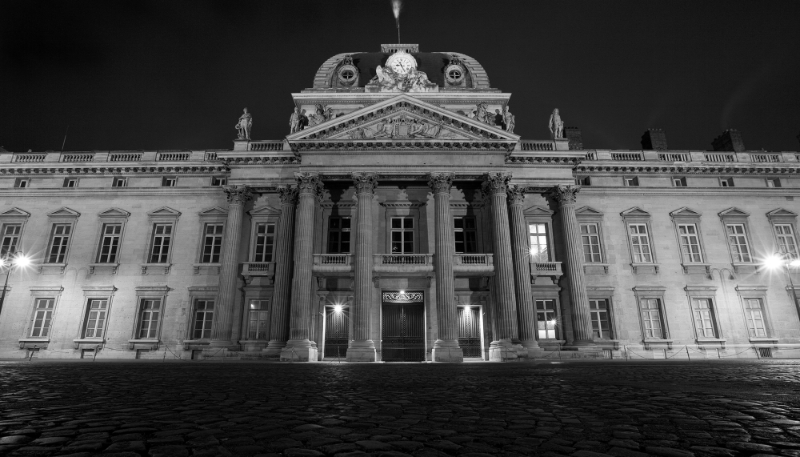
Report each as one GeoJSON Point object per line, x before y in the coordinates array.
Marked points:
{"type": "Point", "coordinates": [279, 318]}
{"type": "Point", "coordinates": [496, 185]}
{"type": "Point", "coordinates": [361, 348]}
{"type": "Point", "coordinates": [300, 347]}
{"type": "Point", "coordinates": [522, 269]}
{"type": "Point", "coordinates": [222, 332]}
{"type": "Point", "coordinates": [445, 348]}
{"type": "Point", "coordinates": [581, 323]}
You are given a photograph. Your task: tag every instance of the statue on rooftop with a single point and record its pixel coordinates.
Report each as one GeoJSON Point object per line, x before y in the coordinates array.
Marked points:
{"type": "Point", "coordinates": [508, 120]}
{"type": "Point", "coordinates": [244, 125]}
{"type": "Point", "coordinates": [556, 125]}
{"type": "Point", "coordinates": [400, 74]}
{"type": "Point", "coordinates": [294, 121]}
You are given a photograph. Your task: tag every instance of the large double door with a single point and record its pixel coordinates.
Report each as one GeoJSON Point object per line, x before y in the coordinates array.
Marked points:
{"type": "Point", "coordinates": [337, 326]}
{"type": "Point", "coordinates": [469, 331]}
{"type": "Point", "coordinates": [403, 332]}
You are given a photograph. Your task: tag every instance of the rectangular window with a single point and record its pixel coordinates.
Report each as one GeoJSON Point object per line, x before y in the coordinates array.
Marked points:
{"type": "Point", "coordinates": [402, 233]}
{"type": "Point", "coordinates": [22, 182]}
{"type": "Point", "coordinates": [59, 243]}
{"type": "Point", "coordinates": [590, 237]}
{"type": "Point", "coordinates": [737, 239]}
{"type": "Point", "coordinates": [265, 242]}
{"type": "Point", "coordinates": [339, 235]}
{"type": "Point", "coordinates": [203, 317]}
{"type": "Point", "coordinates": [787, 244]}
{"type": "Point", "coordinates": [70, 182]}
{"type": "Point", "coordinates": [119, 182]}
{"type": "Point", "coordinates": [109, 243]}
{"type": "Point", "coordinates": [95, 318]}
{"type": "Point", "coordinates": [546, 318]}
{"type": "Point", "coordinates": [169, 181]}
{"type": "Point", "coordinates": [258, 329]}
{"type": "Point", "coordinates": [704, 318]}
{"type": "Point", "coordinates": [598, 310]}
{"type": "Point", "coordinates": [651, 317]}
{"type": "Point", "coordinates": [219, 181]}
{"type": "Point", "coordinates": [583, 180]}
{"type": "Point", "coordinates": [773, 182]}
{"type": "Point", "coordinates": [149, 314]}
{"type": "Point", "coordinates": [640, 243]}
{"type": "Point", "coordinates": [212, 243]}
{"type": "Point", "coordinates": [537, 234]}
{"type": "Point", "coordinates": [679, 181]}
{"type": "Point", "coordinates": [754, 315]}
{"type": "Point", "coordinates": [690, 243]}
{"type": "Point", "coordinates": [726, 182]}
{"type": "Point", "coordinates": [10, 239]}
{"type": "Point", "coordinates": [631, 181]}
{"type": "Point", "coordinates": [160, 244]}
{"type": "Point", "coordinates": [465, 234]}
{"type": "Point", "coordinates": [42, 317]}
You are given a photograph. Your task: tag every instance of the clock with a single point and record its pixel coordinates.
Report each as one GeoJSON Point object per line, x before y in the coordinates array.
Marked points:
{"type": "Point", "coordinates": [401, 63]}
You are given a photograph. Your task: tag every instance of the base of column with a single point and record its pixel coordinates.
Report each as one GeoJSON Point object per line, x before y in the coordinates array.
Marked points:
{"type": "Point", "coordinates": [447, 351]}
{"type": "Point", "coordinates": [529, 349]}
{"type": "Point", "coordinates": [274, 348]}
{"type": "Point", "coordinates": [361, 351]}
{"type": "Point", "coordinates": [502, 351]}
{"type": "Point", "coordinates": [223, 344]}
{"type": "Point", "coordinates": [300, 351]}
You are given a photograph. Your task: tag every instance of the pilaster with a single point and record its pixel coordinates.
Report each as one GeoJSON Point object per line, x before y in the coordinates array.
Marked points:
{"type": "Point", "coordinates": [279, 318]}
{"type": "Point", "coordinates": [522, 269]}
{"type": "Point", "coordinates": [361, 348]}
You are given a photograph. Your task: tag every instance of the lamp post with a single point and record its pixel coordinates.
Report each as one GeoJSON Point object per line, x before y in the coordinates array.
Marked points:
{"type": "Point", "coordinates": [784, 260]}
{"type": "Point", "coordinates": [18, 259]}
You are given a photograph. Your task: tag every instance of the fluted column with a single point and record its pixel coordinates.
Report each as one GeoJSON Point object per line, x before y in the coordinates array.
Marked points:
{"type": "Point", "coordinates": [522, 268]}
{"type": "Point", "coordinates": [279, 318]}
{"type": "Point", "coordinates": [222, 332]}
{"type": "Point", "coordinates": [496, 185]}
{"type": "Point", "coordinates": [361, 348]}
{"type": "Point", "coordinates": [576, 280]}
{"type": "Point", "coordinates": [445, 348]}
{"type": "Point", "coordinates": [299, 347]}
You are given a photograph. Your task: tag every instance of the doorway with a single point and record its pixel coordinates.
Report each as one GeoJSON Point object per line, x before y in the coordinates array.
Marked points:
{"type": "Point", "coordinates": [337, 325]}
{"type": "Point", "coordinates": [469, 330]}
{"type": "Point", "coordinates": [403, 332]}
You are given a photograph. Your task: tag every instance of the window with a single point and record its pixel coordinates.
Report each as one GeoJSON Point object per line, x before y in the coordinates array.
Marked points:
{"type": "Point", "coordinates": [169, 181]}
{"type": "Point", "coordinates": [219, 181]}
{"type": "Point", "coordinates": [59, 243]}
{"type": "Point", "coordinates": [149, 317]}
{"type": "Point", "coordinates": [42, 317]}
{"type": "Point", "coordinates": [726, 182]}
{"type": "Point", "coordinates": [203, 318]}
{"type": "Point", "coordinates": [546, 319]}
{"type": "Point", "coordinates": [704, 318]}
{"type": "Point", "coordinates": [737, 240]}
{"type": "Point", "coordinates": [258, 328]}
{"type": "Point", "coordinates": [590, 237]}
{"type": "Point", "coordinates": [10, 239]}
{"type": "Point", "coordinates": [339, 235]}
{"type": "Point", "coordinates": [631, 181]}
{"type": "Point", "coordinates": [212, 243]}
{"type": "Point", "coordinates": [109, 243]}
{"type": "Point", "coordinates": [265, 242]}
{"type": "Point", "coordinates": [583, 180]}
{"type": "Point", "coordinates": [598, 311]}
{"type": "Point", "coordinates": [754, 315]}
{"type": "Point", "coordinates": [22, 182]}
{"type": "Point", "coordinates": [773, 182]}
{"type": "Point", "coordinates": [70, 182]}
{"type": "Point", "coordinates": [651, 317]}
{"type": "Point", "coordinates": [95, 321]}
{"type": "Point", "coordinates": [119, 182]}
{"type": "Point", "coordinates": [465, 235]}
{"type": "Point", "coordinates": [160, 243]}
{"type": "Point", "coordinates": [402, 235]}
{"type": "Point", "coordinates": [679, 181]}
{"type": "Point", "coordinates": [537, 234]}
{"type": "Point", "coordinates": [640, 243]}
{"type": "Point", "coordinates": [787, 244]}
{"type": "Point", "coordinates": [690, 243]}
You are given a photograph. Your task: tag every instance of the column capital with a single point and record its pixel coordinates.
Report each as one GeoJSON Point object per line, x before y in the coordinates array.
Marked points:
{"type": "Point", "coordinates": [495, 183]}
{"type": "Point", "coordinates": [364, 182]}
{"type": "Point", "coordinates": [440, 182]}
{"type": "Point", "coordinates": [288, 195]}
{"type": "Point", "coordinates": [564, 195]}
{"type": "Point", "coordinates": [309, 183]}
{"type": "Point", "coordinates": [516, 194]}
{"type": "Point", "coordinates": [238, 195]}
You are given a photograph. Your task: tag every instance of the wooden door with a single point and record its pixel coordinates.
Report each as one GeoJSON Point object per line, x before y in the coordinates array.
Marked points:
{"type": "Point", "coordinates": [469, 331]}
{"type": "Point", "coordinates": [337, 326]}
{"type": "Point", "coordinates": [403, 332]}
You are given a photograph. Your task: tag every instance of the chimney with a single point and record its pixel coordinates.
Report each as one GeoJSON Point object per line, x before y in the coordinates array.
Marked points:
{"type": "Point", "coordinates": [730, 140]}
{"type": "Point", "coordinates": [574, 137]}
{"type": "Point", "coordinates": [654, 140]}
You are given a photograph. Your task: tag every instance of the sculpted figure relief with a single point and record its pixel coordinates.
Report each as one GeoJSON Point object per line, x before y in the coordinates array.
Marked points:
{"type": "Point", "coordinates": [556, 125]}
{"type": "Point", "coordinates": [244, 125]}
{"type": "Point", "coordinates": [508, 120]}
{"type": "Point", "coordinates": [400, 74]}
{"type": "Point", "coordinates": [294, 121]}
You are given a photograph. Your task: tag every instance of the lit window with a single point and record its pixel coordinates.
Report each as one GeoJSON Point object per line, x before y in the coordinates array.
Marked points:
{"type": "Point", "coordinates": [203, 318]}
{"type": "Point", "coordinates": [169, 181]}
{"type": "Point", "coordinates": [726, 182]}
{"type": "Point", "coordinates": [465, 235]}
{"type": "Point", "coordinates": [704, 318]}
{"type": "Point", "coordinates": [737, 240]}
{"type": "Point", "coordinates": [640, 243]}
{"type": "Point", "coordinates": [22, 182]}
{"type": "Point", "coordinates": [42, 317]}
{"type": "Point", "coordinates": [690, 243]}
{"type": "Point", "coordinates": [149, 314]}
{"type": "Point", "coordinates": [651, 317]}
{"type": "Point", "coordinates": [119, 182]}
{"type": "Point", "coordinates": [679, 181]}
{"type": "Point", "coordinates": [546, 318]}
{"type": "Point", "coordinates": [59, 243]}
{"type": "Point", "coordinates": [212, 243]}
{"type": "Point", "coordinates": [10, 239]}
{"type": "Point", "coordinates": [537, 234]}
{"type": "Point", "coordinates": [632, 181]}
{"type": "Point", "coordinates": [258, 328]}
{"type": "Point", "coordinates": [160, 243]}
{"type": "Point", "coordinates": [109, 243]}
{"type": "Point", "coordinates": [95, 321]}
{"type": "Point", "coordinates": [598, 311]}
{"type": "Point", "coordinates": [773, 182]}
{"type": "Point", "coordinates": [265, 242]}
{"type": "Point", "coordinates": [402, 235]}
{"type": "Point", "coordinates": [590, 237]}
{"type": "Point", "coordinates": [70, 182]}
{"type": "Point", "coordinates": [787, 244]}
{"type": "Point", "coordinates": [338, 235]}
{"type": "Point", "coordinates": [754, 315]}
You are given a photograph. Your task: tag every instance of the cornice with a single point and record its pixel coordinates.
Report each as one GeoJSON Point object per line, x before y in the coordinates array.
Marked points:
{"type": "Point", "coordinates": [684, 191]}
{"type": "Point", "coordinates": [543, 160]}
{"type": "Point", "coordinates": [728, 169]}
{"type": "Point", "coordinates": [261, 160]}
{"type": "Point", "coordinates": [96, 191]}
{"type": "Point", "coordinates": [119, 169]}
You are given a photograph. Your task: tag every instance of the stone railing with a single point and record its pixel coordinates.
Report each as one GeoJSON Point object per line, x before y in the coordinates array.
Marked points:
{"type": "Point", "coordinates": [675, 157]}
{"type": "Point", "coordinates": [29, 157]}
{"type": "Point", "coordinates": [473, 259]}
{"type": "Point", "coordinates": [546, 268]}
{"type": "Point", "coordinates": [333, 259]}
{"type": "Point", "coordinates": [719, 156]}
{"type": "Point", "coordinates": [271, 145]}
{"type": "Point", "coordinates": [693, 156]}
{"type": "Point", "coordinates": [125, 156]}
{"type": "Point", "coordinates": [77, 157]}
{"type": "Point", "coordinates": [403, 259]}
{"type": "Point", "coordinates": [258, 269]}
{"type": "Point", "coordinates": [108, 156]}
{"type": "Point", "coordinates": [173, 156]}
{"type": "Point", "coordinates": [762, 158]}
{"type": "Point", "coordinates": [627, 156]}
{"type": "Point", "coordinates": [473, 264]}
{"type": "Point", "coordinates": [536, 145]}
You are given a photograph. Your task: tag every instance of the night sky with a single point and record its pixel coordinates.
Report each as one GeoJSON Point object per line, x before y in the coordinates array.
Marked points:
{"type": "Point", "coordinates": [176, 74]}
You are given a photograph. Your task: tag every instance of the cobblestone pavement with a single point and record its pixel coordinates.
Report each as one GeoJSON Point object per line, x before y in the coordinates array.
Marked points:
{"type": "Point", "coordinates": [578, 409]}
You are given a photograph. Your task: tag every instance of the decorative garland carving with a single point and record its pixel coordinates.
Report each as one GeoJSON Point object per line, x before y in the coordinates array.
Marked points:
{"type": "Point", "coordinates": [441, 182]}
{"type": "Point", "coordinates": [495, 183]}
{"type": "Point", "coordinates": [565, 195]}
{"type": "Point", "coordinates": [516, 195]}
{"type": "Point", "coordinates": [365, 182]}
{"type": "Point", "coordinates": [238, 195]}
{"type": "Point", "coordinates": [288, 195]}
{"type": "Point", "coordinates": [404, 297]}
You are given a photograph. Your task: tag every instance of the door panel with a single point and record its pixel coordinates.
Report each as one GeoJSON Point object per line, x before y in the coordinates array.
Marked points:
{"type": "Point", "coordinates": [469, 331]}
{"type": "Point", "coordinates": [403, 332]}
{"type": "Point", "coordinates": [337, 326]}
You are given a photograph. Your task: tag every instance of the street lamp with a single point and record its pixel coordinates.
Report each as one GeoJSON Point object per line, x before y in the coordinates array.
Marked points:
{"type": "Point", "coordinates": [18, 259]}
{"type": "Point", "coordinates": [783, 261]}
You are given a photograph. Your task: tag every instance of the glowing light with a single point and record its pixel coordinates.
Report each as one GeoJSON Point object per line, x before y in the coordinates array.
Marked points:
{"type": "Point", "coordinates": [402, 291]}
{"type": "Point", "coordinates": [337, 309]}
{"type": "Point", "coordinates": [795, 263]}
{"type": "Point", "coordinates": [552, 322]}
{"type": "Point", "coordinates": [3, 263]}
{"type": "Point", "coordinates": [397, 5]}
{"type": "Point", "coordinates": [773, 262]}
{"type": "Point", "coordinates": [22, 260]}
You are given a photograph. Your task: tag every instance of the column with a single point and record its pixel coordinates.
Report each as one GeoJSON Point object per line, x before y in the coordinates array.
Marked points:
{"type": "Point", "coordinates": [445, 348]}
{"type": "Point", "coordinates": [361, 348]}
{"type": "Point", "coordinates": [222, 330]}
{"type": "Point", "coordinates": [522, 270]}
{"type": "Point", "coordinates": [501, 349]}
{"type": "Point", "coordinates": [279, 316]}
{"type": "Point", "coordinates": [299, 347]}
{"type": "Point", "coordinates": [576, 280]}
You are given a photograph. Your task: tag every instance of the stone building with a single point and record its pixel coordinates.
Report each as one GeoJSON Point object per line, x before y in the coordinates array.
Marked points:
{"type": "Point", "coordinates": [401, 219]}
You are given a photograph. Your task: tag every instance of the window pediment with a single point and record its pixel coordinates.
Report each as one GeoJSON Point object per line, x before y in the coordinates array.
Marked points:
{"type": "Point", "coordinates": [15, 213]}
{"type": "Point", "coordinates": [588, 212]}
{"type": "Point", "coordinates": [64, 212]}
{"type": "Point", "coordinates": [634, 213]}
{"type": "Point", "coordinates": [685, 212]}
{"type": "Point", "coordinates": [264, 211]}
{"type": "Point", "coordinates": [733, 212]}
{"type": "Point", "coordinates": [214, 211]}
{"type": "Point", "coordinates": [538, 211]}
{"type": "Point", "coordinates": [114, 213]}
{"type": "Point", "coordinates": [781, 215]}
{"type": "Point", "coordinates": [164, 211]}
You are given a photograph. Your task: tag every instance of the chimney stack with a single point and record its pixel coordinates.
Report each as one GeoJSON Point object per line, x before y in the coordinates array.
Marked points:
{"type": "Point", "coordinates": [654, 140]}
{"type": "Point", "coordinates": [730, 141]}
{"type": "Point", "coordinates": [574, 137]}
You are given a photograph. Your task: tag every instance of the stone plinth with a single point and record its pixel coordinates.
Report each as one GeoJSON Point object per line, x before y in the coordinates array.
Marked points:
{"type": "Point", "coordinates": [447, 351]}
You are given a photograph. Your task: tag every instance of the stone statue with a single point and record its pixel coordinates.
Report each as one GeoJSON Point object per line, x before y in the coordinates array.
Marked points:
{"type": "Point", "coordinates": [400, 74]}
{"type": "Point", "coordinates": [417, 129]}
{"type": "Point", "coordinates": [385, 129]}
{"type": "Point", "coordinates": [303, 120]}
{"type": "Point", "coordinates": [556, 125]}
{"type": "Point", "coordinates": [294, 121]}
{"type": "Point", "coordinates": [244, 125]}
{"type": "Point", "coordinates": [508, 120]}
{"type": "Point", "coordinates": [482, 114]}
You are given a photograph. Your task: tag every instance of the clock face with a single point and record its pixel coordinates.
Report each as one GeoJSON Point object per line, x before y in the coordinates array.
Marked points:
{"type": "Point", "coordinates": [401, 62]}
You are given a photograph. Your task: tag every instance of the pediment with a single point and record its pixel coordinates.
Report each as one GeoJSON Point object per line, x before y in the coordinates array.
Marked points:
{"type": "Point", "coordinates": [734, 212]}
{"type": "Point", "coordinates": [214, 211]}
{"type": "Point", "coordinates": [588, 211]}
{"type": "Point", "coordinates": [635, 212]}
{"type": "Point", "coordinates": [64, 212]}
{"type": "Point", "coordinates": [403, 118]}
{"type": "Point", "coordinates": [15, 212]}
{"type": "Point", "coordinates": [685, 212]}
{"type": "Point", "coordinates": [781, 213]}
{"type": "Point", "coordinates": [264, 211]}
{"type": "Point", "coordinates": [164, 211]}
{"type": "Point", "coordinates": [538, 211]}
{"type": "Point", "coordinates": [114, 212]}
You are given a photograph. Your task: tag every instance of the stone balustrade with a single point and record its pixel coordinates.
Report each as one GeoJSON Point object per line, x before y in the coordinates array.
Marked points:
{"type": "Point", "coordinates": [28, 158]}
{"type": "Point", "coordinates": [552, 269]}
{"type": "Point", "coordinates": [402, 263]}
{"type": "Point", "coordinates": [693, 156]}
{"type": "Point", "coordinates": [473, 264]}
{"type": "Point", "coordinates": [266, 145]}
{"type": "Point", "coordinates": [173, 156]}
{"type": "Point", "coordinates": [332, 263]}
{"type": "Point", "coordinates": [107, 156]}
{"type": "Point", "coordinates": [258, 268]}
{"type": "Point", "coordinates": [77, 157]}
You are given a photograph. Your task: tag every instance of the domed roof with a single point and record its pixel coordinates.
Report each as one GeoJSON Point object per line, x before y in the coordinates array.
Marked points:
{"type": "Point", "coordinates": [432, 63]}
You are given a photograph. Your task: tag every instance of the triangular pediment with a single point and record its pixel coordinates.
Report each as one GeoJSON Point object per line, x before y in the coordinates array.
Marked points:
{"type": "Point", "coordinates": [114, 212]}
{"type": "Point", "coordinates": [164, 211]}
{"type": "Point", "coordinates": [64, 212]}
{"type": "Point", "coordinates": [15, 212]}
{"type": "Point", "coordinates": [635, 212]}
{"type": "Point", "coordinates": [588, 211]}
{"type": "Point", "coordinates": [780, 212]}
{"type": "Point", "coordinates": [685, 212]}
{"type": "Point", "coordinates": [403, 118]}
{"type": "Point", "coordinates": [733, 212]}
{"type": "Point", "coordinates": [538, 211]}
{"type": "Point", "coordinates": [264, 211]}
{"type": "Point", "coordinates": [214, 211]}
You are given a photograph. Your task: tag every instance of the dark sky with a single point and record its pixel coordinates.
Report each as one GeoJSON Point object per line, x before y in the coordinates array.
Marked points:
{"type": "Point", "coordinates": [176, 74]}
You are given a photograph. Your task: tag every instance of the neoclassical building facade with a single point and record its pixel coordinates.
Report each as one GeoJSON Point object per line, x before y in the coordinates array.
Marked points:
{"type": "Point", "coordinates": [402, 219]}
